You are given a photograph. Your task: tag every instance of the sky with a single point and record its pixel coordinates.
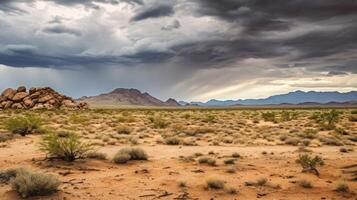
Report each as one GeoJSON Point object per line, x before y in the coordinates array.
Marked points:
{"type": "Point", "coordinates": [192, 50]}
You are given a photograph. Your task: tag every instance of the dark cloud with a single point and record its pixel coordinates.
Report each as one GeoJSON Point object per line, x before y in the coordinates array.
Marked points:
{"type": "Point", "coordinates": [91, 3]}
{"type": "Point", "coordinates": [9, 6]}
{"type": "Point", "coordinates": [155, 11]}
{"type": "Point", "coordinates": [174, 25]}
{"type": "Point", "coordinates": [60, 29]}
{"type": "Point", "coordinates": [275, 15]}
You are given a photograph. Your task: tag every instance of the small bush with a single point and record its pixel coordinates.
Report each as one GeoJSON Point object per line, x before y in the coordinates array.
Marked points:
{"type": "Point", "coordinates": [23, 125]}
{"type": "Point", "coordinates": [342, 188]}
{"type": "Point", "coordinates": [7, 175]}
{"type": "Point", "coordinates": [235, 155]}
{"type": "Point", "coordinates": [231, 190]}
{"type": "Point", "coordinates": [305, 184]}
{"type": "Point", "coordinates": [181, 184]}
{"type": "Point", "coordinates": [65, 146]}
{"type": "Point", "coordinates": [209, 119]}
{"type": "Point", "coordinates": [129, 153]}
{"type": "Point", "coordinates": [122, 129]}
{"type": "Point", "coordinates": [28, 183]}
{"type": "Point", "coordinates": [269, 116]}
{"type": "Point", "coordinates": [159, 122]}
{"type": "Point", "coordinates": [215, 183]}
{"type": "Point", "coordinates": [229, 161]}
{"type": "Point", "coordinates": [309, 163]}
{"type": "Point", "coordinates": [261, 181]}
{"type": "Point", "coordinates": [121, 158]}
{"type": "Point", "coordinates": [231, 170]}
{"type": "Point", "coordinates": [172, 141]}
{"type": "Point", "coordinates": [207, 160]}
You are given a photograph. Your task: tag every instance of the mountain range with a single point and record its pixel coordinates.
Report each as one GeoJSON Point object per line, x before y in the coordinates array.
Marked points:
{"type": "Point", "coordinates": [123, 96]}
{"type": "Point", "coordinates": [296, 97]}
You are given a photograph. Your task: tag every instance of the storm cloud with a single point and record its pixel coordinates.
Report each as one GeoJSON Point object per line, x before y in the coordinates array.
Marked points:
{"type": "Point", "coordinates": [259, 43]}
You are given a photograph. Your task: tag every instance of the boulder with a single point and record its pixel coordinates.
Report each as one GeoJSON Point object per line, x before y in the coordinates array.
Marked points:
{"type": "Point", "coordinates": [32, 90]}
{"type": "Point", "coordinates": [29, 103]}
{"type": "Point", "coordinates": [21, 89]}
{"type": "Point", "coordinates": [8, 93]}
{"type": "Point", "coordinates": [38, 98]}
{"type": "Point", "coordinates": [17, 106]}
{"type": "Point", "coordinates": [19, 96]}
{"type": "Point", "coordinates": [45, 98]}
{"type": "Point", "coordinates": [7, 104]}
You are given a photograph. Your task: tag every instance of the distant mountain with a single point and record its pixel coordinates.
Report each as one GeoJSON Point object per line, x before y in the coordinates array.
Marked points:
{"type": "Point", "coordinates": [297, 97]}
{"type": "Point", "coordinates": [123, 96]}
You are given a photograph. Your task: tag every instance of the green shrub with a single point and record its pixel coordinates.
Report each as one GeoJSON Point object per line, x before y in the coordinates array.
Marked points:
{"type": "Point", "coordinates": [65, 146]}
{"type": "Point", "coordinates": [209, 119]}
{"type": "Point", "coordinates": [28, 183]}
{"type": "Point", "coordinates": [23, 125]}
{"type": "Point", "coordinates": [215, 183]}
{"type": "Point", "coordinates": [159, 122]}
{"type": "Point", "coordinates": [309, 163]}
{"type": "Point", "coordinates": [269, 116]}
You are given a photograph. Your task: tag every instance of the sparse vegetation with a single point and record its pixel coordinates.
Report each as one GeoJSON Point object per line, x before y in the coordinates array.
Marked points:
{"type": "Point", "coordinates": [28, 183]}
{"type": "Point", "coordinates": [215, 183]}
{"type": "Point", "coordinates": [309, 163]}
{"type": "Point", "coordinates": [207, 160]}
{"type": "Point", "coordinates": [305, 184]}
{"type": "Point", "coordinates": [23, 125]}
{"type": "Point", "coordinates": [342, 188]}
{"type": "Point", "coordinates": [129, 153]}
{"type": "Point", "coordinates": [65, 146]}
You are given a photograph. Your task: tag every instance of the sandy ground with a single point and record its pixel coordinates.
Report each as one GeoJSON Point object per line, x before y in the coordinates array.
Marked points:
{"type": "Point", "coordinates": [157, 178]}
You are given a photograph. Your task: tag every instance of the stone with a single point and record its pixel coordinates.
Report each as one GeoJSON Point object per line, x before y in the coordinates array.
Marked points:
{"type": "Point", "coordinates": [38, 106]}
{"type": "Point", "coordinates": [32, 90]}
{"type": "Point", "coordinates": [29, 103]}
{"type": "Point", "coordinates": [7, 104]}
{"type": "Point", "coordinates": [21, 89]}
{"type": "Point", "coordinates": [68, 103]}
{"type": "Point", "coordinates": [35, 95]}
{"type": "Point", "coordinates": [45, 98]}
{"type": "Point", "coordinates": [8, 93]}
{"type": "Point", "coordinates": [48, 106]}
{"type": "Point", "coordinates": [17, 106]}
{"type": "Point", "coordinates": [19, 96]}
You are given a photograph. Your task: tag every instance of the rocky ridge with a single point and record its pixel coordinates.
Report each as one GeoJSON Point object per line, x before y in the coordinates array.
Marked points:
{"type": "Point", "coordinates": [37, 98]}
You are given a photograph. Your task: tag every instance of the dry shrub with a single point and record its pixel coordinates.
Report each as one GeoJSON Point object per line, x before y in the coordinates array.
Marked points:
{"type": "Point", "coordinates": [28, 183]}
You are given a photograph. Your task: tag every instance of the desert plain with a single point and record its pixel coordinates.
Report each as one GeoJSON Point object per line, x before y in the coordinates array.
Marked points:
{"type": "Point", "coordinates": [189, 153]}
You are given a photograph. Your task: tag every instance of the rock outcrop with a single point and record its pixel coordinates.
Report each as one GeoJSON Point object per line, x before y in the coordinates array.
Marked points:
{"type": "Point", "coordinates": [37, 98]}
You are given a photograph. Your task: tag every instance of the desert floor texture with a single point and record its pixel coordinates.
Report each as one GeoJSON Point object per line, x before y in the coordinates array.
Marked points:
{"type": "Point", "coordinates": [253, 152]}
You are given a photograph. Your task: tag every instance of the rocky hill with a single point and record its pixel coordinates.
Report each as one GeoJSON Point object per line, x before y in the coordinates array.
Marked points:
{"type": "Point", "coordinates": [123, 96]}
{"type": "Point", "coordinates": [37, 98]}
